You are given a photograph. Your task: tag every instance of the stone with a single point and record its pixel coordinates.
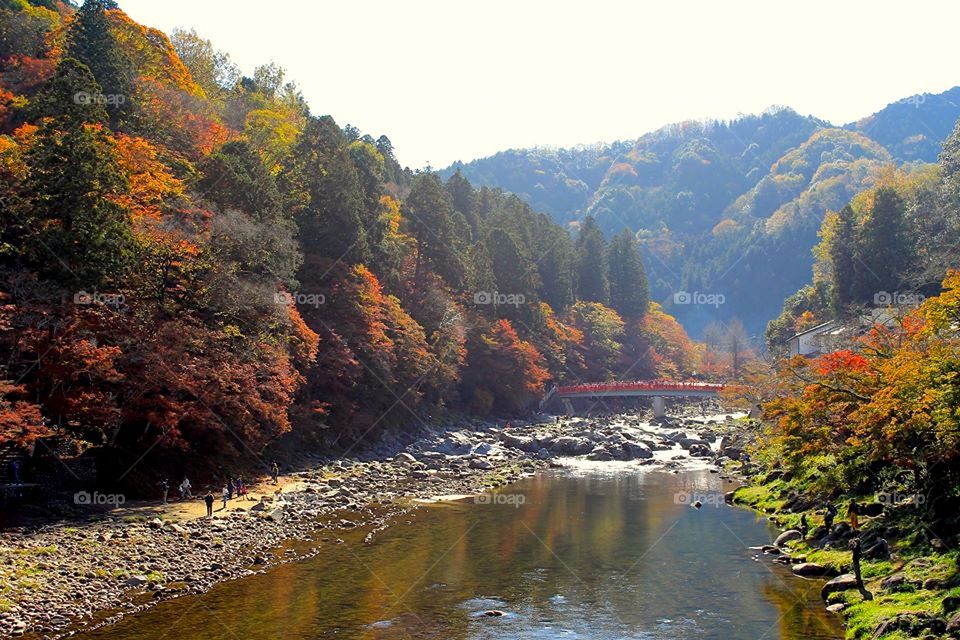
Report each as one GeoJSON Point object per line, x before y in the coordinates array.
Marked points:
{"type": "Point", "coordinates": [135, 581]}
{"type": "Point", "coordinates": [787, 536]}
{"type": "Point", "coordinates": [843, 582]}
{"type": "Point", "coordinates": [813, 570]}
{"type": "Point", "coordinates": [836, 608]}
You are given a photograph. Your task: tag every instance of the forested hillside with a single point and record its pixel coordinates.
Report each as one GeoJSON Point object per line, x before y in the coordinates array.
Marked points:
{"type": "Point", "coordinates": [193, 261]}
{"type": "Point", "coordinates": [728, 208]}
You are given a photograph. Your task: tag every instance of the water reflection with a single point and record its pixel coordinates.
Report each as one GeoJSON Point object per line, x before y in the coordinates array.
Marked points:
{"type": "Point", "coordinates": [586, 555]}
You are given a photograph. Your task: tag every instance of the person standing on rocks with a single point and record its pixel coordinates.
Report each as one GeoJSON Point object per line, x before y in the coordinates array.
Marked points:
{"type": "Point", "coordinates": [853, 511]}
{"type": "Point", "coordinates": [165, 486]}
{"type": "Point", "coordinates": [803, 525]}
{"type": "Point", "coordinates": [828, 516]}
{"type": "Point", "coordinates": [275, 472]}
{"type": "Point", "coordinates": [208, 500]}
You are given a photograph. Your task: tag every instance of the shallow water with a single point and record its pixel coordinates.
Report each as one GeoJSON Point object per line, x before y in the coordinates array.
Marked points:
{"type": "Point", "coordinates": [583, 553]}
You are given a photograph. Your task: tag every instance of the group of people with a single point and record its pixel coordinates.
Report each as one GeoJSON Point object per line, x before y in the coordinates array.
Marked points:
{"type": "Point", "coordinates": [233, 487]}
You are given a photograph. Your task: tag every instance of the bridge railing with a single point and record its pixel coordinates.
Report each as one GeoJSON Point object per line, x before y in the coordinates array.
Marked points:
{"type": "Point", "coordinates": [648, 385]}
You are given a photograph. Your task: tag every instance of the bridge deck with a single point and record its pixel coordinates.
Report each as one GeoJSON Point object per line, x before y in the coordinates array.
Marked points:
{"type": "Point", "coordinates": [651, 388]}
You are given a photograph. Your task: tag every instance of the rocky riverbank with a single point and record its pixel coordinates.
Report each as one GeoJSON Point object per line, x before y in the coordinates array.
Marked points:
{"type": "Point", "coordinates": [910, 573]}
{"type": "Point", "coordinates": [61, 579]}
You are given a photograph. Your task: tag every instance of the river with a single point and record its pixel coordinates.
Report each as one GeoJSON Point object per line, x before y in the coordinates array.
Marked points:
{"type": "Point", "coordinates": [598, 551]}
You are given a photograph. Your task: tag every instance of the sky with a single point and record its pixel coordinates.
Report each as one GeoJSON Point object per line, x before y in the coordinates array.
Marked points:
{"type": "Point", "coordinates": [461, 79]}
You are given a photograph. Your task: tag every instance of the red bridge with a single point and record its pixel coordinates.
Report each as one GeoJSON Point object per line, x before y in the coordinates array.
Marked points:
{"type": "Point", "coordinates": [657, 389]}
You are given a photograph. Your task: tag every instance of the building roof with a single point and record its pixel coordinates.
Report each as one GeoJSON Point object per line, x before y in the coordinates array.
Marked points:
{"type": "Point", "coordinates": [820, 328]}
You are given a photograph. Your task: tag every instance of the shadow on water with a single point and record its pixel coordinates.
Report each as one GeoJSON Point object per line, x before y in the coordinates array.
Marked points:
{"type": "Point", "coordinates": [582, 554]}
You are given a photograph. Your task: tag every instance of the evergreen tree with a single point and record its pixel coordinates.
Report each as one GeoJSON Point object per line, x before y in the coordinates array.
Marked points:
{"type": "Point", "coordinates": [91, 41]}
{"type": "Point", "coordinates": [438, 230]}
{"type": "Point", "coordinates": [886, 250]}
{"type": "Point", "coordinates": [69, 96]}
{"type": "Point", "coordinates": [843, 268]}
{"type": "Point", "coordinates": [629, 290]}
{"type": "Point", "coordinates": [81, 233]}
{"type": "Point", "coordinates": [593, 283]}
{"type": "Point", "coordinates": [326, 193]}
{"type": "Point", "coordinates": [555, 265]}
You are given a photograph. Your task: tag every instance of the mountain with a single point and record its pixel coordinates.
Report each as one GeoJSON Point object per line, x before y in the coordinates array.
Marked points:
{"type": "Point", "coordinates": [730, 209]}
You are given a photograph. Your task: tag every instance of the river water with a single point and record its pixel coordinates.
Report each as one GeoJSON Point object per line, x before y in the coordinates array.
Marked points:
{"type": "Point", "coordinates": [602, 551]}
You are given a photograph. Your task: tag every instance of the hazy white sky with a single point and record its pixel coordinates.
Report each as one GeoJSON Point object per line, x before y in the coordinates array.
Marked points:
{"type": "Point", "coordinates": [449, 80]}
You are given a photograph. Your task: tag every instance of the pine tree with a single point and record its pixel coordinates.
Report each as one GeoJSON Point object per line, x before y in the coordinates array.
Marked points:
{"type": "Point", "coordinates": [326, 193]}
{"type": "Point", "coordinates": [593, 283]}
{"type": "Point", "coordinates": [91, 41]}
{"type": "Point", "coordinates": [629, 289]}
{"type": "Point", "coordinates": [842, 263]}
{"type": "Point", "coordinates": [886, 249]}
{"type": "Point", "coordinates": [70, 96]}
{"type": "Point", "coordinates": [82, 234]}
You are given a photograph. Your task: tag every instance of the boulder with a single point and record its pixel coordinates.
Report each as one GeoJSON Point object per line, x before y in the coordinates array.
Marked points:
{"type": "Point", "coordinates": [572, 446]}
{"type": "Point", "coordinates": [843, 582]}
{"type": "Point", "coordinates": [480, 463]}
{"type": "Point", "coordinates": [813, 570]}
{"type": "Point", "coordinates": [543, 453]}
{"type": "Point", "coordinates": [634, 450]}
{"type": "Point", "coordinates": [405, 458]}
{"type": "Point", "coordinates": [686, 443]}
{"type": "Point", "coordinates": [700, 450]}
{"type": "Point", "coordinates": [787, 536]}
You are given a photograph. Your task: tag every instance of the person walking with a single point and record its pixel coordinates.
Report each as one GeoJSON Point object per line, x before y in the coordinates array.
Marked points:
{"type": "Point", "coordinates": [208, 500]}
{"type": "Point", "coordinates": [230, 487]}
{"type": "Point", "coordinates": [275, 472]}
{"type": "Point", "coordinates": [226, 496]}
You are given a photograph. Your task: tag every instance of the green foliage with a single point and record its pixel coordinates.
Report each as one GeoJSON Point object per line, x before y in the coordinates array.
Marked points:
{"type": "Point", "coordinates": [629, 293]}
{"type": "Point", "coordinates": [593, 280]}
{"type": "Point", "coordinates": [92, 42]}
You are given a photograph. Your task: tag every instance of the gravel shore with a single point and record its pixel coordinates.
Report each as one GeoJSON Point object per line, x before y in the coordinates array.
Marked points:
{"type": "Point", "coordinates": [61, 579]}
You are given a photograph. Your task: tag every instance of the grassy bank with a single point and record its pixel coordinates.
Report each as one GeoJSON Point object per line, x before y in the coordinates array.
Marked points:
{"type": "Point", "coordinates": [915, 590]}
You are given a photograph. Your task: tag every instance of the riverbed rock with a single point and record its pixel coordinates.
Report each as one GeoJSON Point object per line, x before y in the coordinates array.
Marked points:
{"type": "Point", "coordinates": [572, 446]}
{"type": "Point", "coordinates": [634, 451]}
{"type": "Point", "coordinates": [813, 570]}
{"type": "Point", "coordinates": [787, 536]}
{"type": "Point", "coordinates": [843, 582]}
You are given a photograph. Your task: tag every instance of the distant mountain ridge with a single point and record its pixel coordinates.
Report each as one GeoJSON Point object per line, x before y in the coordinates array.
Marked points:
{"type": "Point", "coordinates": [728, 207]}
